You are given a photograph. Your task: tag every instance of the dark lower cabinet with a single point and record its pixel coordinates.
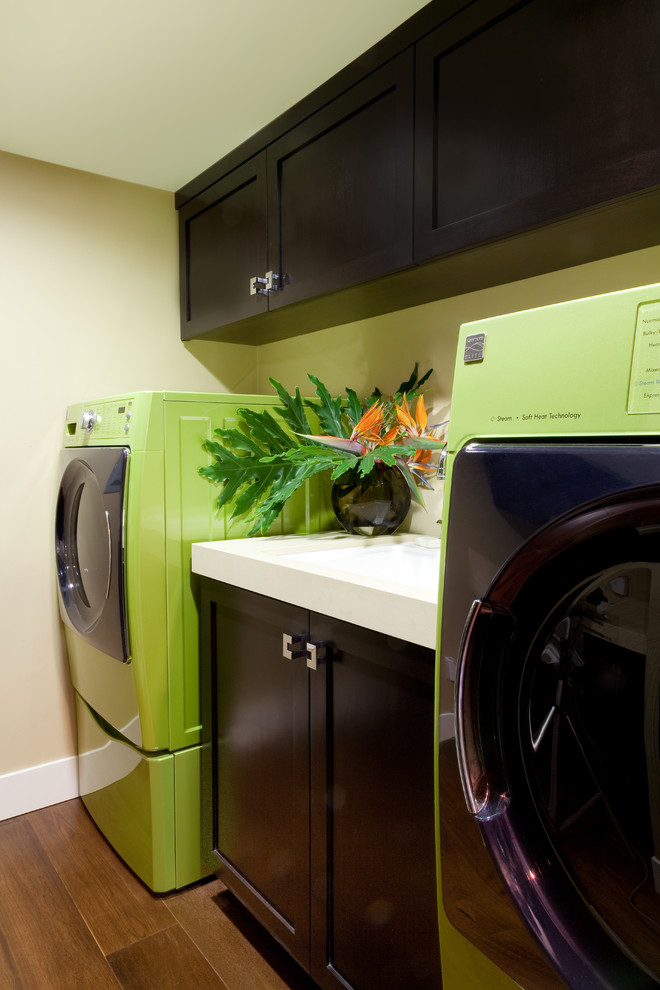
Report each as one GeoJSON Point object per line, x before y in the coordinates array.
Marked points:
{"type": "Point", "coordinates": [323, 782]}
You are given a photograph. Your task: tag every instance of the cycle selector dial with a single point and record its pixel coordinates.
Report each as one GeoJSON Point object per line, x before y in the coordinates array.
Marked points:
{"type": "Point", "coordinates": [89, 420]}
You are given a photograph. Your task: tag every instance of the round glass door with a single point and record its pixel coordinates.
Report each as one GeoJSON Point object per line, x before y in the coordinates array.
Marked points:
{"type": "Point", "coordinates": [84, 557]}
{"type": "Point", "coordinates": [589, 708]}
{"type": "Point", "coordinates": [89, 548]}
{"type": "Point", "coordinates": [558, 723]}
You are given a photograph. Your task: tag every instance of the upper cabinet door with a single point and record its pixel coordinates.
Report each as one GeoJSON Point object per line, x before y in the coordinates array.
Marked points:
{"type": "Point", "coordinates": [340, 188]}
{"type": "Point", "coordinates": [223, 244]}
{"type": "Point", "coordinates": [532, 113]}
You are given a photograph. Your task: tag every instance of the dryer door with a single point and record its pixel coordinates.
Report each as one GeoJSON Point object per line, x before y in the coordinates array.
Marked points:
{"type": "Point", "coordinates": [89, 544]}
{"type": "Point", "coordinates": [558, 732]}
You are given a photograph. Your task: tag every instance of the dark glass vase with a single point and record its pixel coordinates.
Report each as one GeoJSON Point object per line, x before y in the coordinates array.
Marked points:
{"type": "Point", "coordinates": [371, 505]}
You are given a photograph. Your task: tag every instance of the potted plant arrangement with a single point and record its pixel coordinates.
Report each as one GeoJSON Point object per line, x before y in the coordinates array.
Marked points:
{"type": "Point", "coordinates": [379, 453]}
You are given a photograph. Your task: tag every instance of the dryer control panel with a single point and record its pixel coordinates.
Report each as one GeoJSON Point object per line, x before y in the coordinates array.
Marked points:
{"type": "Point", "coordinates": [102, 421]}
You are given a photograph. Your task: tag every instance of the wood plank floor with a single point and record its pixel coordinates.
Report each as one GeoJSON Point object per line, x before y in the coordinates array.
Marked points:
{"type": "Point", "coordinates": [74, 917]}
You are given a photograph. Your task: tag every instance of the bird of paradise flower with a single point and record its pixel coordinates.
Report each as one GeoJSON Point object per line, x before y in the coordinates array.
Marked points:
{"type": "Point", "coordinates": [260, 463]}
{"type": "Point", "coordinates": [389, 432]}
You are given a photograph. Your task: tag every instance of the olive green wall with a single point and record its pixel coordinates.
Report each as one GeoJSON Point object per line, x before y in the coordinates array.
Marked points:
{"type": "Point", "coordinates": [381, 351]}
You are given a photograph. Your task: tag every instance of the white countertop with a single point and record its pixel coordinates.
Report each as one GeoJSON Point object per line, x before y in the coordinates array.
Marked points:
{"type": "Point", "coordinates": [385, 583]}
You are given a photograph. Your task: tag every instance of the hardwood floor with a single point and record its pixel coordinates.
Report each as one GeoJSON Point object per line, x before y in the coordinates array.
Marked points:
{"type": "Point", "coordinates": [74, 917]}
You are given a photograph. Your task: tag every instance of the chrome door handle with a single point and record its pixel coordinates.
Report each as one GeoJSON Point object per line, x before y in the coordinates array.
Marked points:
{"type": "Point", "coordinates": [487, 633]}
{"type": "Point", "coordinates": [318, 654]}
{"type": "Point", "coordinates": [258, 286]}
{"type": "Point", "coordinates": [272, 282]}
{"type": "Point", "coordinates": [261, 285]}
{"type": "Point", "coordinates": [107, 523]}
{"type": "Point", "coordinates": [289, 651]}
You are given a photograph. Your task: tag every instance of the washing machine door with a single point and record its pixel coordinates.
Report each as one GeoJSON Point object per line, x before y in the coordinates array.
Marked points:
{"type": "Point", "coordinates": [89, 547]}
{"type": "Point", "coordinates": [558, 737]}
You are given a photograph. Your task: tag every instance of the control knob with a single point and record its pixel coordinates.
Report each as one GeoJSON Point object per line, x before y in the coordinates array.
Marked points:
{"type": "Point", "coordinates": [88, 420]}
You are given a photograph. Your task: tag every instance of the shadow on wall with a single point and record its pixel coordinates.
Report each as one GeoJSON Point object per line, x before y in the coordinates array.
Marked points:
{"type": "Point", "coordinates": [234, 366]}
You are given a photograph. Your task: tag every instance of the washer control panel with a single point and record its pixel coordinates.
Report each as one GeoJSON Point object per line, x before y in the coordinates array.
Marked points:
{"type": "Point", "coordinates": [105, 420]}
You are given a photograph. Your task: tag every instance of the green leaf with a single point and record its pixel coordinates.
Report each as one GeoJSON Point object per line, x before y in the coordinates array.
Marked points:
{"type": "Point", "coordinates": [367, 463]}
{"type": "Point", "coordinates": [235, 439]}
{"type": "Point", "coordinates": [409, 385]}
{"type": "Point", "coordinates": [410, 480]}
{"type": "Point", "coordinates": [386, 454]}
{"type": "Point", "coordinates": [354, 406]}
{"type": "Point", "coordinates": [343, 466]}
{"type": "Point", "coordinates": [293, 411]}
{"type": "Point", "coordinates": [230, 472]}
{"type": "Point", "coordinates": [414, 384]}
{"type": "Point", "coordinates": [289, 480]}
{"type": "Point", "coordinates": [329, 410]}
{"type": "Point", "coordinates": [423, 379]}
{"type": "Point", "coordinates": [253, 493]}
{"type": "Point", "coordinates": [266, 431]}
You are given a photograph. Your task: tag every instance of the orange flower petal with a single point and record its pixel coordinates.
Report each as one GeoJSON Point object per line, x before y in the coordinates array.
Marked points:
{"type": "Point", "coordinates": [389, 437]}
{"type": "Point", "coordinates": [420, 413]}
{"type": "Point", "coordinates": [373, 417]}
{"type": "Point", "coordinates": [403, 415]}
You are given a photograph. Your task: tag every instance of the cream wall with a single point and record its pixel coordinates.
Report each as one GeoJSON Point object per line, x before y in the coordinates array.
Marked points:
{"type": "Point", "coordinates": [89, 307]}
{"type": "Point", "coordinates": [89, 304]}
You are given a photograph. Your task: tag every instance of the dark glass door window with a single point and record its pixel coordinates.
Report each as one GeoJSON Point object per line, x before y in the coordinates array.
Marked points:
{"type": "Point", "coordinates": [89, 544]}
{"type": "Point", "coordinates": [589, 724]}
{"type": "Point", "coordinates": [558, 727]}
{"type": "Point", "coordinates": [550, 653]}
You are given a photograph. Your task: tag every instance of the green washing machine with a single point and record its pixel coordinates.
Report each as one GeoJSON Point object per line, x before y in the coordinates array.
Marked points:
{"type": "Point", "coordinates": [130, 504]}
{"type": "Point", "coordinates": [548, 756]}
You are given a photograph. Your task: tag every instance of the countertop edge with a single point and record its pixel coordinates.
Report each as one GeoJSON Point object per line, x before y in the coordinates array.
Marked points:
{"type": "Point", "coordinates": [402, 612]}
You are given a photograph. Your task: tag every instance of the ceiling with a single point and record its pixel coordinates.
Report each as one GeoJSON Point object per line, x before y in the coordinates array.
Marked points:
{"type": "Point", "coordinates": [155, 91]}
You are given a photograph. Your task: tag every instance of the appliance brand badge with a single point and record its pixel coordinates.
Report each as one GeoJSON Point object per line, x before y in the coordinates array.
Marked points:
{"type": "Point", "coordinates": [475, 345]}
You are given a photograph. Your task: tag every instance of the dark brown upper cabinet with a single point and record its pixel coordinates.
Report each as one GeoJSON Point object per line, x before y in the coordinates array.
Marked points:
{"type": "Point", "coordinates": [223, 242]}
{"type": "Point", "coordinates": [327, 205]}
{"type": "Point", "coordinates": [340, 191]}
{"type": "Point", "coordinates": [530, 112]}
{"type": "Point", "coordinates": [477, 144]}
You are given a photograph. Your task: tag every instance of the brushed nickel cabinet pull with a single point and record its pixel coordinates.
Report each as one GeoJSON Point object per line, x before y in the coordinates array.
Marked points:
{"type": "Point", "coordinates": [289, 651]}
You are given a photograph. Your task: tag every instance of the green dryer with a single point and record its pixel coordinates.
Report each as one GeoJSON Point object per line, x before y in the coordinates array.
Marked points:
{"type": "Point", "coordinates": [129, 506]}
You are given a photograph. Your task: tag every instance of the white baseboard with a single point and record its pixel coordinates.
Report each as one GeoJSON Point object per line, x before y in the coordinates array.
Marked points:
{"type": "Point", "coordinates": [38, 787]}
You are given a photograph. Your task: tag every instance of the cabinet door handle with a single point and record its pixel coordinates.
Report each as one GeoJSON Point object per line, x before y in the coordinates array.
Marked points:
{"type": "Point", "coordinates": [273, 282]}
{"type": "Point", "coordinates": [289, 652]}
{"type": "Point", "coordinates": [318, 654]}
{"type": "Point", "coordinates": [258, 285]}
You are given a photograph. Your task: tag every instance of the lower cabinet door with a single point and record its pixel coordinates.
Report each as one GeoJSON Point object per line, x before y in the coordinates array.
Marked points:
{"type": "Point", "coordinates": [323, 788]}
{"type": "Point", "coordinates": [373, 891]}
{"type": "Point", "coordinates": [261, 767]}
